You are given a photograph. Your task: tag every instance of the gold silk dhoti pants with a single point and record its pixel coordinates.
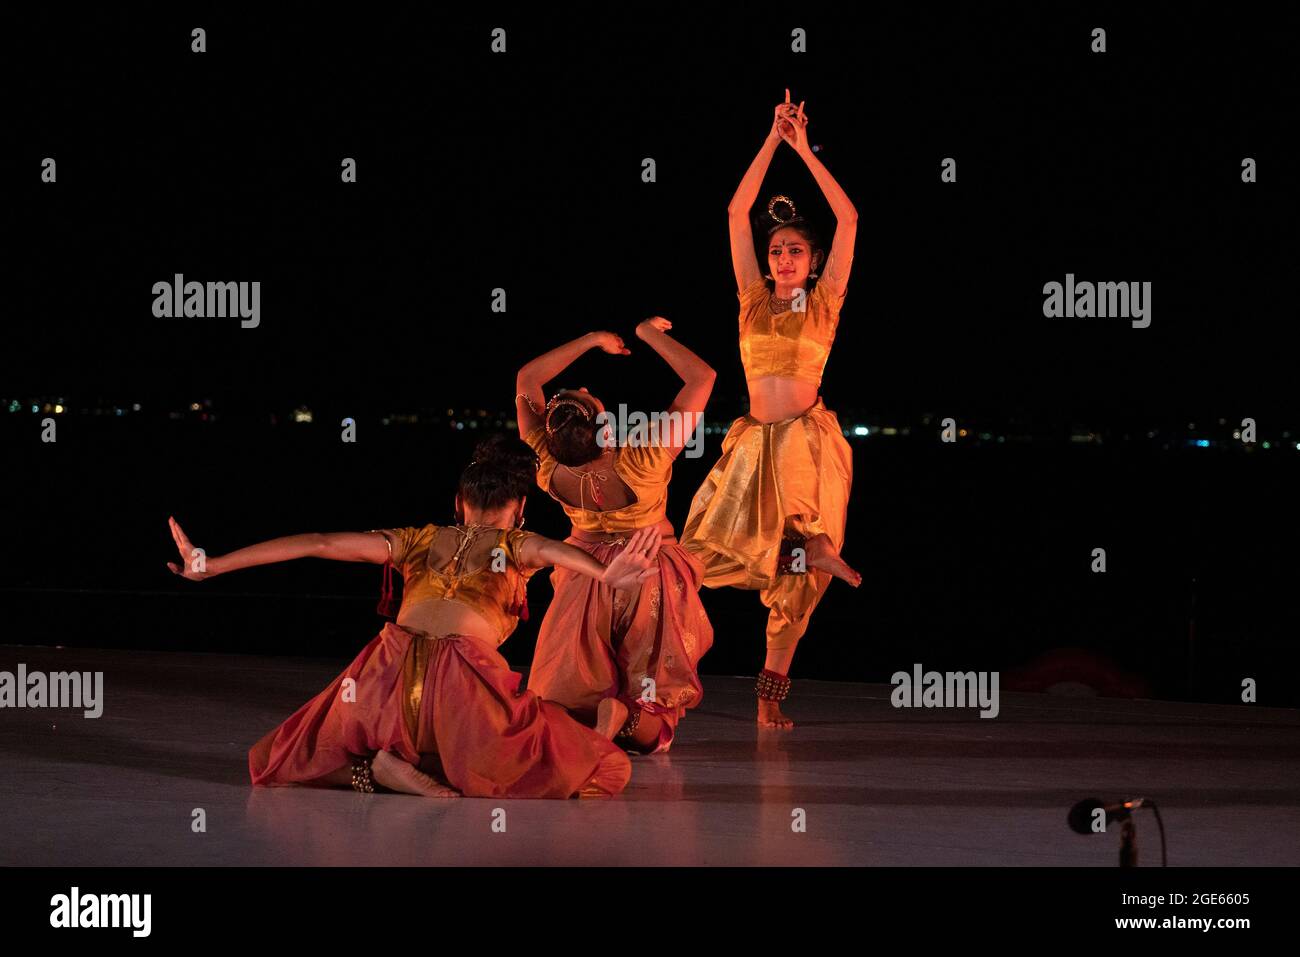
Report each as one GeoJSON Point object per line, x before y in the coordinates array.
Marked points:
{"type": "Point", "coordinates": [774, 480]}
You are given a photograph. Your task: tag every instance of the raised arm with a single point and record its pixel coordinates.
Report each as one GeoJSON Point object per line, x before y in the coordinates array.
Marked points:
{"type": "Point", "coordinates": [635, 563]}
{"type": "Point", "coordinates": [369, 547]}
{"type": "Point", "coordinates": [530, 400]}
{"type": "Point", "coordinates": [697, 380]}
{"type": "Point", "coordinates": [835, 271]}
{"type": "Point", "coordinates": [743, 260]}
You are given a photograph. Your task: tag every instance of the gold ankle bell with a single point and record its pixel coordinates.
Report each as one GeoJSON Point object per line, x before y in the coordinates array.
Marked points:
{"type": "Point", "coordinates": [361, 778]}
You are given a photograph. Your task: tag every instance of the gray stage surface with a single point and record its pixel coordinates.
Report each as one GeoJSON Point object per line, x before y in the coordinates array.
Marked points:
{"type": "Point", "coordinates": [878, 785]}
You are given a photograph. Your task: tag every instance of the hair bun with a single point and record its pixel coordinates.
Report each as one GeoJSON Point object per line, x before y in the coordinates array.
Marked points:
{"type": "Point", "coordinates": [505, 453]}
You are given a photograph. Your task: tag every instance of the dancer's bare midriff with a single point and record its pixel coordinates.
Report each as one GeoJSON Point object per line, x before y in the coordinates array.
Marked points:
{"type": "Point", "coordinates": [774, 398]}
{"type": "Point", "coordinates": [446, 616]}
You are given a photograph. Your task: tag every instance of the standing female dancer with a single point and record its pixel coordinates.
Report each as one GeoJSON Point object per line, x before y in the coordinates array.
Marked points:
{"type": "Point", "coordinates": [432, 690]}
{"type": "Point", "coordinates": [631, 650]}
{"type": "Point", "coordinates": [770, 515]}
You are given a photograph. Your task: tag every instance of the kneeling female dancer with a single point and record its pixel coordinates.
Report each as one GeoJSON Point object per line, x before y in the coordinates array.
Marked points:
{"type": "Point", "coordinates": [431, 691]}
{"type": "Point", "coordinates": [602, 645]}
{"type": "Point", "coordinates": [770, 515]}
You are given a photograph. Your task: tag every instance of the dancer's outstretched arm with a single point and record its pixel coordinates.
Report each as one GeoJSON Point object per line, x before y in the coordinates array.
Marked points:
{"type": "Point", "coordinates": [340, 546]}
{"type": "Point", "coordinates": [697, 381]}
{"type": "Point", "coordinates": [743, 260]}
{"type": "Point", "coordinates": [530, 402]}
{"type": "Point", "coordinates": [835, 272]}
{"type": "Point", "coordinates": [635, 562]}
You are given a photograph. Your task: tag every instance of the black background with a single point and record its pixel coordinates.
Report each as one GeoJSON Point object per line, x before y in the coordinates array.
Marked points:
{"type": "Point", "coordinates": [523, 171]}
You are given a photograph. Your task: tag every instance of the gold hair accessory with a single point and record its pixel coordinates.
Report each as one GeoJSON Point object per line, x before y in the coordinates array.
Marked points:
{"type": "Point", "coordinates": [781, 198]}
{"type": "Point", "coordinates": [558, 403]}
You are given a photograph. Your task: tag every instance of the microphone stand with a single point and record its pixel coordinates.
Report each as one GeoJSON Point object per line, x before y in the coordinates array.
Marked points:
{"type": "Point", "coordinates": [1128, 850]}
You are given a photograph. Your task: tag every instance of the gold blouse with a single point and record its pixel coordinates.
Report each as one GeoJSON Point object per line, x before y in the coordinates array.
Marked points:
{"type": "Point", "coordinates": [794, 345]}
{"type": "Point", "coordinates": [645, 469]}
{"type": "Point", "coordinates": [498, 596]}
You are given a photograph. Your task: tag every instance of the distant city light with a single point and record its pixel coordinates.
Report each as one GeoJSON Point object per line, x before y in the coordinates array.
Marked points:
{"type": "Point", "coordinates": [302, 414]}
{"type": "Point", "coordinates": [1203, 443]}
{"type": "Point", "coordinates": [861, 430]}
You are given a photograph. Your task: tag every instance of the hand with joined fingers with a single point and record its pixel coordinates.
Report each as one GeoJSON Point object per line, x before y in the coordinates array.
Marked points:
{"type": "Point", "coordinates": [787, 120]}
{"type": "Point", "coordinates": [794, 128]}
{"type": "Point", "coordinates": [189, 566]}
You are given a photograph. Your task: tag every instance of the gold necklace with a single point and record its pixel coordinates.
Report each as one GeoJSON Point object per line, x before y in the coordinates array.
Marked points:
{"type": "Point", "coordinates": [784, 304]}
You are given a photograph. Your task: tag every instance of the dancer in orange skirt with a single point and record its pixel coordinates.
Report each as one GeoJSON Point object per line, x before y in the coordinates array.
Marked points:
{"type": "Point", "coordinates": [770, 515]}
{"type": "Point", "coordinates": [633, 651]}
{"type": "Point", "coordinates": [429, 706]}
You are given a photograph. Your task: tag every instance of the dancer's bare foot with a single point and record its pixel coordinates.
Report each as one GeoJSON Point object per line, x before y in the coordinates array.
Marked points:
{"type": "Point", "coordinates": [397, 775]}
{"type": "Point", "coordinates": [611, 715]}
{"type": "Point", "coordinates": [770, 716]}
{"type": "Point", "coordinates": [822, 555]}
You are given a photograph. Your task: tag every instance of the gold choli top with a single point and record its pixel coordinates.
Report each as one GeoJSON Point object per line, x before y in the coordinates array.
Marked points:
{"type": "Point", "coordinates": [792, 344]}
{"type": "Point", "coordinates": [646, 469]}
{"type": "Point", "coordinates": [498, 596]}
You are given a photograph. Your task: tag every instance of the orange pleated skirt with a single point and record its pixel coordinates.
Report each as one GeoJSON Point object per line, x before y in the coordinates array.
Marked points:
{"type": "Point", "coordinates": [449, 696]}
{"type": "Point", "coordinates": [642, 647]}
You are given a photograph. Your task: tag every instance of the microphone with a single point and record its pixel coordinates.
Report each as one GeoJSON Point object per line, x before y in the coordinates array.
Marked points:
{"type": "Point", "coordinates": [1082, 814]}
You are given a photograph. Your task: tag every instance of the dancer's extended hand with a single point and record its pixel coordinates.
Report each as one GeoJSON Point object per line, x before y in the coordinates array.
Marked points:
{"type": "Point", "coordinates": [610, 343]}
{"type": "Point", "coordinates": [191, 566]}
{"type": "Point", "coordinates": [637, 562]}
{"type": "Point", "coordinates": [784, 118]}
{"type": "Point", "coordinates": [794, 130]}
{"type": "Point", "coordinates": [658, 323]}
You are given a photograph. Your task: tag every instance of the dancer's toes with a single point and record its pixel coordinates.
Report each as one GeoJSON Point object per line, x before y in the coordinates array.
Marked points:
{"type": "Point", "coordinates": [822, 555]}
{"type": "Point", "coordinates": [610, 717]}
{"type": "Point", "coordinates": [398, 775]}
{"type": "Point", "coordinates": [770, 716]}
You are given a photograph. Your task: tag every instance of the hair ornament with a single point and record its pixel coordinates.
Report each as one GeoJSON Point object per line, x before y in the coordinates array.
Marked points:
{"type": "Point", "coordinates": [557, 403]}
{"type": "Point", "coordinates": [781, 198]}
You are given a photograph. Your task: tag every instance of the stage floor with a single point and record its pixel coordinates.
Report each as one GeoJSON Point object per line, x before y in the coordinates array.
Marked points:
{"type": "Point", "coordinates": [877, 785]}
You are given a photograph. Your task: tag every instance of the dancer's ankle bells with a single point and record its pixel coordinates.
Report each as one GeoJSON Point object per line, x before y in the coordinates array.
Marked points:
{"type": "Point", "coordinates": [361, 778]}
{"type": "Point", "coordinates": [772, 685]}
